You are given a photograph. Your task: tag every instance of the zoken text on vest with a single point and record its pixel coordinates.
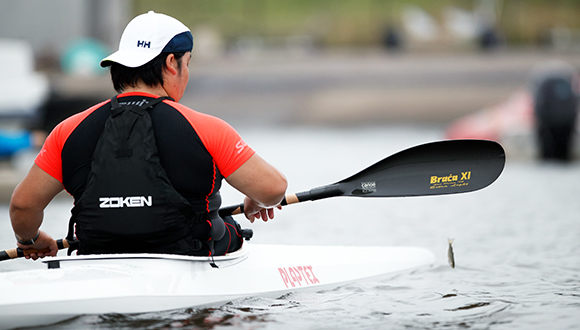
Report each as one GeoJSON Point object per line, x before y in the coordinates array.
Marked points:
{"type": "Point", "coordinates": [129, 201]}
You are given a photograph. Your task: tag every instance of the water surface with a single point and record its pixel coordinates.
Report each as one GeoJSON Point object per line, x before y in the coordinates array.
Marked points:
{"type": "Point", "coordinates": [517, 246]}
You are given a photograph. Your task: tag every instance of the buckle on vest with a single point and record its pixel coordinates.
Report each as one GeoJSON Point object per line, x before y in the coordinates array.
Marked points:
{"type": "Point", "coordinates": [196, 245]}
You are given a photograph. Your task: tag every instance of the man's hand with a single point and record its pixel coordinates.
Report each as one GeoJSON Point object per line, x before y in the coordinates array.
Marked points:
{"type": "Point", "coordinates": [44, 241]}
{"type": "Point", "coordinates": [253, 211]}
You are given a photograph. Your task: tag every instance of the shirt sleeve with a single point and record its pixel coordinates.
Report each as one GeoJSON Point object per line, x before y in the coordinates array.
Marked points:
{"type": "Point", "coordinates": [222, 141]}
{"type": "Point", "coordinates": [49, 158]}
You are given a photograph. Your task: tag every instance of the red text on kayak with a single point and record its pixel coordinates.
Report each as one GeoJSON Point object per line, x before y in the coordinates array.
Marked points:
{"type": "Point", "coordinates": [298, 276]}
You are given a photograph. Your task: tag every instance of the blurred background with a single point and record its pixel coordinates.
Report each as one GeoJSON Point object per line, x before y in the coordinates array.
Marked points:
{"type": "Point", "coordinates": [325, 88]}
{"type": "Point", "coordinates": [495, 69]}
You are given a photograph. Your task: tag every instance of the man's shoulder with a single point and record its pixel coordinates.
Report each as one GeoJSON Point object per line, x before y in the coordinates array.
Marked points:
{"type": "Point", "coordinates": [181, 107]}
{"type": "Point", "coordinates": [73, 121]}
{"type": "Point", "coordinates": [194, 116]}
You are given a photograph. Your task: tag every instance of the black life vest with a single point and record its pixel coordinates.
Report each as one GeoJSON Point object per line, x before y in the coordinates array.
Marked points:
{"type": "Point", "coordinates": [129, 205]}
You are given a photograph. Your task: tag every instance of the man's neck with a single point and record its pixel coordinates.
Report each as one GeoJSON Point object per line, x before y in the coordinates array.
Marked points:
{"type": "Point", "coordinates": [158, 90]}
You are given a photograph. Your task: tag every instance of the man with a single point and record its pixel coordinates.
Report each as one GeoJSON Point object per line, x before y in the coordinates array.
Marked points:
{"type": "Point", "coordinates": [196, 152]}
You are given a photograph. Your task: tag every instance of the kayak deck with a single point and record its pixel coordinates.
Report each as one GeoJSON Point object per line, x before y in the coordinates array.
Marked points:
{"type": "Point", "coordinates": [139, 283]}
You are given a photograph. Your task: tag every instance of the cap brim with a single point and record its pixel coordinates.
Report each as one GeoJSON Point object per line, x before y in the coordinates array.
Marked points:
{"type": "Point", "coordinates": [128, 58]}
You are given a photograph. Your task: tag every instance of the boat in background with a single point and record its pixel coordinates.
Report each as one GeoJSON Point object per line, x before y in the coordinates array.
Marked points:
{"type": "Point", "coordinates": [139, 283]}
{"type": "Point", "coordinates": [540, 120]}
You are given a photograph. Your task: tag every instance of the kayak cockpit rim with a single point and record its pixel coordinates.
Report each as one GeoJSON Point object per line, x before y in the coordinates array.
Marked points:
{"type": "Point", "coordinates": [237, 256]}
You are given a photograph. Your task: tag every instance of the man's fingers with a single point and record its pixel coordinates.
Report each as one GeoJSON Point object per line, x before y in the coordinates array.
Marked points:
{"type": "Point", "coordinates": [264, 214]}
{"type": "Point", "coordinates": [267, 214]}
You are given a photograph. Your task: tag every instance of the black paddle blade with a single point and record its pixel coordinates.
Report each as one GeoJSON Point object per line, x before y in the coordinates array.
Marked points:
{"type": "Point", "coordinates": [438, 168]}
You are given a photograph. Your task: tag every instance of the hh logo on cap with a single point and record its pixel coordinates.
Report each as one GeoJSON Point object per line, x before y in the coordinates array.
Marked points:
{"type": "Point", "coordinates": [144, 44]}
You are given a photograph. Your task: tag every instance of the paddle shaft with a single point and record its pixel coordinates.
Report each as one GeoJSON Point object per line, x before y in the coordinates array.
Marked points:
{"type": "Point", "coordinates": [19, 253]}
{"type": "Point", "coordinates": [437, 168]}
{"type": "Point", "coordinates": [288, 199]}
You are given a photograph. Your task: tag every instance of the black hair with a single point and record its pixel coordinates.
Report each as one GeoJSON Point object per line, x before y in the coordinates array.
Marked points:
{"type": "Point", "coordinates": [151, 73]}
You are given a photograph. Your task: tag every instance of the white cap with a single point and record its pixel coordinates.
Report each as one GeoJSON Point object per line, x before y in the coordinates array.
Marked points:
{"type": "Point", "coordinates": [146, 36]}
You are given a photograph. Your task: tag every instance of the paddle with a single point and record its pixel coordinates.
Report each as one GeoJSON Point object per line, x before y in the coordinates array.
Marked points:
{"type": "Point", "coordinates": [437, 168]}
{"type": "Point", "coordinates": [19, 253]}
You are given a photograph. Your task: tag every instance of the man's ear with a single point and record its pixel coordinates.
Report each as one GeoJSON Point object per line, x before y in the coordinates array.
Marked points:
{"type": "Point", "coordinates": [171, 64]}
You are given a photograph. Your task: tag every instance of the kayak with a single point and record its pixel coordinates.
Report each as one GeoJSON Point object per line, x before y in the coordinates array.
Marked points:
{"type": "Point", "coordinates": [139, 283]}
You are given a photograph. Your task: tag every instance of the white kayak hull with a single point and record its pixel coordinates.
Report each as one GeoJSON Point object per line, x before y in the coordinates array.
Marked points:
{"type": "Point", "coordinates": [140, 283]}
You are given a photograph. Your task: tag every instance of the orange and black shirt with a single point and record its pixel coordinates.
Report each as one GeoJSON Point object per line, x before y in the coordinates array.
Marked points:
{"type": "Point", "coordinates": [196, 150]}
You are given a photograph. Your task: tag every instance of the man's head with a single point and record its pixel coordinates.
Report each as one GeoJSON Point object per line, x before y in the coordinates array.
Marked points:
{"type": "Point", "coordinates": [148, 45]}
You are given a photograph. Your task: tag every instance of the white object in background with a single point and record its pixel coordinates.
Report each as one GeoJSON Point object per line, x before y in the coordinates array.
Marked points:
{"type": "Point", "coordinates": [22, 90]}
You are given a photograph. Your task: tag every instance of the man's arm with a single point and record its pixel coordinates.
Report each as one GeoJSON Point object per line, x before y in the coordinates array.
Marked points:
{"type": "Point", "coordinates": [263, 185]}
{"type": "Point", "coordinates": [27, 205]}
